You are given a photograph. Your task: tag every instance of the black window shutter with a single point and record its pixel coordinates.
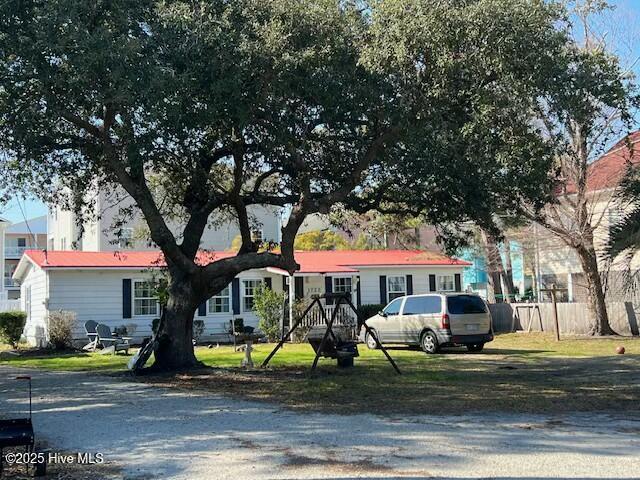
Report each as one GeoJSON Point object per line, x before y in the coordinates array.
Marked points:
{"type": "Point", "coordinates": [126, 298]}
{"type": "Point", "coordinates": [267, 282]}
{"type": "Point", "coordinates": [409, 284]}
{"type": "Point", "coordinates": [235, 296]}
{"type": "Point", "coordinates": [202, 309]}
{"type": "Point", "coordinates": [458, 279]}
{"type": "Point", "coordinates": [328, 288]}
{"type": "Point", "coordinates": [383, 289]}
{"type": "Point", "coordinates": [358, 293]}
{"type": "Point", "coordinates": [285, 287]}
{"type": "Point", "coordinates": [299, 287]}
{"type": "Point", "coordinates": [432, 283]}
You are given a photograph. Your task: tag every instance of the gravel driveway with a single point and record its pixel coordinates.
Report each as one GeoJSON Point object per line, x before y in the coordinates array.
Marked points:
{"type": "Point", "coordinates": [153, 432]}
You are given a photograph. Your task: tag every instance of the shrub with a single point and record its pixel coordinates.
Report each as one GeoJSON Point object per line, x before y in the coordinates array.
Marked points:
{"type": "Point", "coordinates": [369, 310]}
{"type": "Point", "coordinates": [61, 324]}
{"type": "Point", "coordinates": [155, 323]}
{"type": "Point", "coordinates": [12, 326]}
{"type": "Point", "coordinates": [198, 329]}
{"type": "Point", "coordinates": [268, 307]}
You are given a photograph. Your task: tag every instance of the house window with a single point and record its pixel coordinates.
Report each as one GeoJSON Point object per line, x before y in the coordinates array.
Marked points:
{"type": "Point", "coordinates": [126, 238]}
{"type": "Point", "coordinates": [145, 301]}
{"type": "Point", "coordinates": [220, 303]}
{"type": "Point", "coordinates": [249, 288]}
{"type": "Point", "coordinates": [446, 283]}
{"type": "Point", "coordinates": [396, 287]}
{"type": "Point", "coordinates": [22, 242]}
{"type": "Point", "coordinates": [342, 284]}
{"type": "Point", "coordinates": [63, 243]}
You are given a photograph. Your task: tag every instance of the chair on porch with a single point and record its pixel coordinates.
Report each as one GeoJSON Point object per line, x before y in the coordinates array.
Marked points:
{"type": "Point", "coordinates": [90, 329]}
{"type": "Point", "coordinates": [107, 339]}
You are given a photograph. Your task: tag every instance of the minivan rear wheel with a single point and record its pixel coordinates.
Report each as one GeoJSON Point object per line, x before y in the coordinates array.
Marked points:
{"type": "Point", "coordinates": [371, 342]}
{"type": "Point", "coordinates": [429, 342]}
{"type": "Point", "coordinates": [475, 347]}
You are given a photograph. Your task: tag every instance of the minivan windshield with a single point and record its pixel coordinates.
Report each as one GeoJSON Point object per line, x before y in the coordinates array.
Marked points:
{"type": "Point", "coordinates": [461, 304]}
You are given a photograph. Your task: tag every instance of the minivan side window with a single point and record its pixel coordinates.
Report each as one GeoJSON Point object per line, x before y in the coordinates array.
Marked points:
{"type": "Point", "coordinates": [394, 307]}
{"type": "Point", "coordinates": [422, 305]}
{"type": "Point", "coordinates": [461, 304]}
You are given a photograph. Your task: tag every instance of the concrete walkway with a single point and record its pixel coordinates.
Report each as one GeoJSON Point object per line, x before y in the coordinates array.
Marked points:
{"type": "Point", "coordinates": [165, 433]}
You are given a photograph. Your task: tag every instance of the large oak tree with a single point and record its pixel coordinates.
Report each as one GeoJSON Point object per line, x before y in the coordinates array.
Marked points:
{"type": "Point", "coordinates": [204, 108]}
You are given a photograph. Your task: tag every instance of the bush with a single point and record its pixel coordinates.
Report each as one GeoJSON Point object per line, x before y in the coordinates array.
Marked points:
{"type": "Point", "coordinates": [369, 310]}
{"type": "Point", "coordinates": [12, 326]}
{"type": "Point", "coordinates": [61, 324]}
{"type": "Point", "coordinates": [268, 307]}
{"type": "Point", "coordinates": [198, 329]}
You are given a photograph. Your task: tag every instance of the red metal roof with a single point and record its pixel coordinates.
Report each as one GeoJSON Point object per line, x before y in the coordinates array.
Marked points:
{"type": "Point", "coordinates": [332, 261]}
{"type": "Point", "coordinates": [607, 171]}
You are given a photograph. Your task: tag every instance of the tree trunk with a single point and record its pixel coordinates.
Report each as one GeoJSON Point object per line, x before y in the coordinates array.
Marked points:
{"type": "Point", "coordinates": [175, 337]}
{"type": "Point", "coordinates": [495, 271]}
{"type": "Point", "coordinates": [597, 305]}
{"type": "Point", "coordinates": [507, 276]}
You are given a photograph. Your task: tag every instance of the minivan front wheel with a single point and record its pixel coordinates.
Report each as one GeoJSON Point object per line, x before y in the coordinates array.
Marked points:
{"type": "Point", "coordinates": [429, 342]}
{"type": "Point", "coordinates": [371, 342]}
{"type": "Point", "coordinates": [475, 347]}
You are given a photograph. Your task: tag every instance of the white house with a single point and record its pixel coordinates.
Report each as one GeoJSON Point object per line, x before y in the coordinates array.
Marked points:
{"type": "Point", "coordinates": [113, 287]}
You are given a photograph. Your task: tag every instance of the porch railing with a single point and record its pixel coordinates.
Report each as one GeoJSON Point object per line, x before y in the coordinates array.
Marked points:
{"type": "Point", "coordinates": [345, 317]}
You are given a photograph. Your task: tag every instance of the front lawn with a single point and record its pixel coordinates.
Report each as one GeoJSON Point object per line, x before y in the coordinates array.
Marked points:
{"type": "Point", "coordinates": [516, 372]}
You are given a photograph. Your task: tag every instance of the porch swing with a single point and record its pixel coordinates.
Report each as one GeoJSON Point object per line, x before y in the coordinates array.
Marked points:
{"type": "Point", "coordinates": [327, 343]}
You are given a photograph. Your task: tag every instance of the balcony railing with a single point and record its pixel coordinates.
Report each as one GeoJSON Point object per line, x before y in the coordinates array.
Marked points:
{"type": "Point", "coordinates": [14, 252]}
{"type": "Point", "coordinates": [10, 282]}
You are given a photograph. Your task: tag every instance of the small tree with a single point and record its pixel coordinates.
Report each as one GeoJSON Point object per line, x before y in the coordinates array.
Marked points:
{"type": "Point", "coordinates": [268, 306]}
{"type": "Point", "coordinates": [61, 325]}
{"type": "Point", "coordinates": [12, 326]}
{"type": "Point", "coordinates": [320, 240]}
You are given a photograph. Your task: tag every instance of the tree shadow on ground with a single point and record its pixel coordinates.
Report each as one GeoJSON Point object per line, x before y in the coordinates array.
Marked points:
{"type": "Point", "coordinates": [164, 431]}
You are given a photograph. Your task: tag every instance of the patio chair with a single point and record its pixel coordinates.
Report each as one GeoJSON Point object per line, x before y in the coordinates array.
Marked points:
{"type": "Point", "coordinates": [90, 329]}
{"type": "Point", "coordinates": [107, 339]}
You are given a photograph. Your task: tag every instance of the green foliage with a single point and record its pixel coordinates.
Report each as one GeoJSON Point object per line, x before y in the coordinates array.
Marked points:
{"type": "Point", "coordinates": [369, 310]}
{"type": "Point", "coordinates": [11, 327]}
{"type": "Point", "coordinates": [60, 325]}
{"type": "Point", "coordinates": [155, 323]}
{"type": "Point", "coordinates": [267, 305]}
{"type": "Point", "coordinates": [198, 329]}
{"type": "Point", "coordinates": [320, 240]}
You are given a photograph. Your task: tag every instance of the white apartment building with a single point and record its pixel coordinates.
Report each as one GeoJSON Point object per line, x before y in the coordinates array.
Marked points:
{"type": "Point", "coordinates": [27, 235]}
{"type": "Point", "coordinates": [103, 232]}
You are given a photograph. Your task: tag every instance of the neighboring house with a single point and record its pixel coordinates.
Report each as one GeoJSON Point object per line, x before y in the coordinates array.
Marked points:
{"type": "Point", "coordinates": [102, 231]}
{"type": "Point", "coordinates": [476, 276]}
{"type": "Point", "coordinates": [28, 235]}
{"type": "Point", "coordinates": [113, 288]}
{"type": "Point", "coordinates": [3, 226]}
{"type": "Point", "coordinates": [558, 264]}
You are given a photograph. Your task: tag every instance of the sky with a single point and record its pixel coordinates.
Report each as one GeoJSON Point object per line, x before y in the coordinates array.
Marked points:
{"type": "Point", "coordinates": [622, 27]}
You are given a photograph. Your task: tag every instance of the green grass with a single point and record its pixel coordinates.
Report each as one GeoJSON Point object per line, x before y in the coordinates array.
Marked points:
{"type": "Point", "coordinates": [516, 372]}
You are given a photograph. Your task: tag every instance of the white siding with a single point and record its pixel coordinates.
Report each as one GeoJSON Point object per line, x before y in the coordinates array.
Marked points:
{"type": "Point", "coordinates": [36, 307]}
{"type": "Point", "coordinates": [370, 279]}
{"type": "Point", "coordinates": [97, 295]}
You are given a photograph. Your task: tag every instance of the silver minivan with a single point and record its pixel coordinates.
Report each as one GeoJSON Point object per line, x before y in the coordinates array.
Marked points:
{"type": "Point", "coordinates": [433, 321]}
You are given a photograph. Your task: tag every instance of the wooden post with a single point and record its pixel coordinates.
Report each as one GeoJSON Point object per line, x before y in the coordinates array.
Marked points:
{"type": "Point", "coordinates": [555, 311]}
